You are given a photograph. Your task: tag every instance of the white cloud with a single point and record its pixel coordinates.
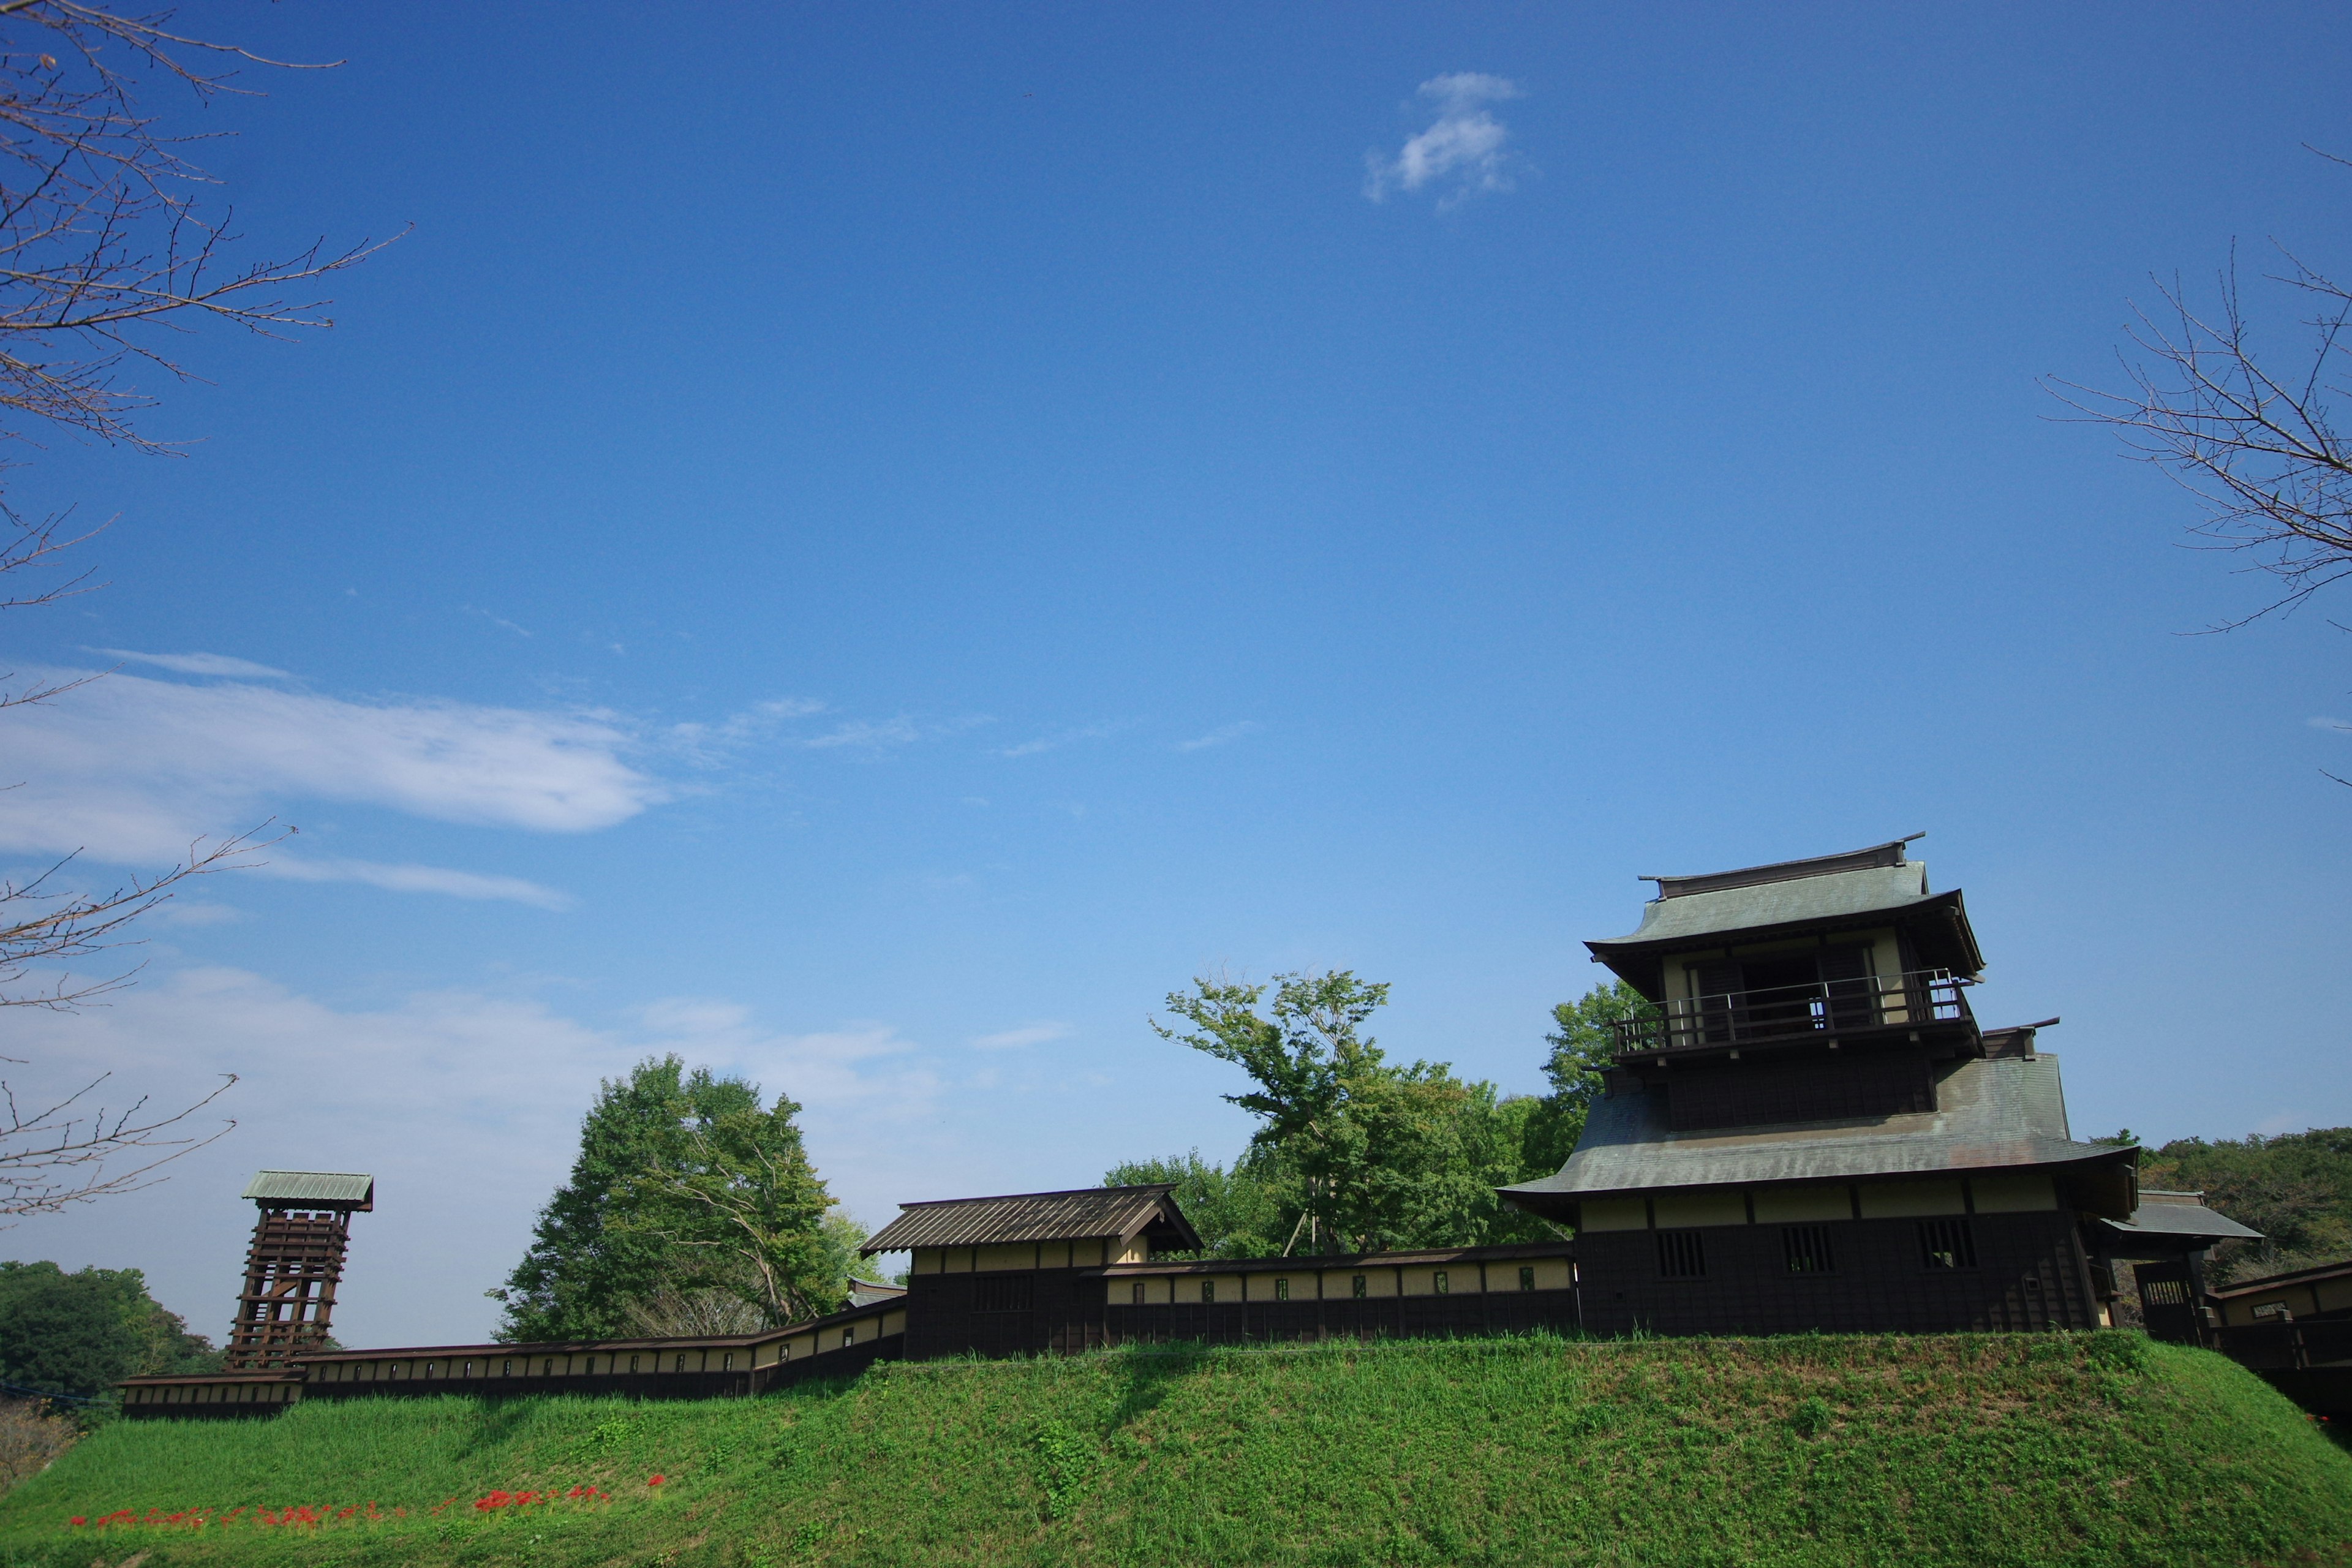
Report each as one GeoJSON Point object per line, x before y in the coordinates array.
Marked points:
{"type": "Point", "coordinates": [870, 733]}
{"type": "Point", "coordinates": [465, 1105]}
{"type": "Point", "coordinates": [130, 770]}
{"type": "Point", "coordinates": [1463, 152]}
{"type": "Point", "coordinates": [1223, 735]}
{"type": "Point", "coordinates": [413, 879]}
{"type": "Point", "coordinates": [1035, 1034]}
{"type": "Point", "coordinates": [175, 911]}
{"type": "Point", "coordinates": [1059, 738]}
{"type": "Point", "coordinates": [195, 663]}
{"type": "Point", "coordinates": [709, 745]}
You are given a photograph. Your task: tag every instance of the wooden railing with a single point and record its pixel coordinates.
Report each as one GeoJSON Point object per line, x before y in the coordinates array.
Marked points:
{"type": "Point", "coordinates": [1786, 1012]}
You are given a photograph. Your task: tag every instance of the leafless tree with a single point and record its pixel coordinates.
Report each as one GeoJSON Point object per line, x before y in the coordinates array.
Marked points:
{"type": "Point", "coordinates": [105, 252]}
{"type": "Point", "coordinates": [2259, 448]}
{"type": "Point", "coordinates": [106, 256]}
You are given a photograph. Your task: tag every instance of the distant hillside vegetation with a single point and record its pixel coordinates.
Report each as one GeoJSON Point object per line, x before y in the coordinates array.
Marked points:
{"type": "Point", "coordinates": [2081, 1451]}
{"type": "Point", "coordinates": [2296, 1189]}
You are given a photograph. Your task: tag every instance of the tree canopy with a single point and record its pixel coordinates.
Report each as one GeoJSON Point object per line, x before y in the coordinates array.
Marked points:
{"type": "Point", "coordinates": [80, 1333]}
{"type": "Point", "coordinates": [1353, 1152]}
{"type": "Point", "coordinates": [2296, 1189]}
{"type": "Point", "coordinates": [692, 1207]}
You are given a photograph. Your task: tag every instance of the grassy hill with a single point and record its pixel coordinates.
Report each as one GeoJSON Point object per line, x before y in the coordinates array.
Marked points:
{"type": "Point", "coordinates": [1963, 1450]}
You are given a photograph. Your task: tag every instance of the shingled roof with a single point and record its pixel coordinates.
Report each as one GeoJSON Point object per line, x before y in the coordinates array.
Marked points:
{"type": "Point", "coordinates": [1991, 1116]}
{"type": "Point", "coordinates": [1111, 1214]}
{"type": "Point", "coordinates": [319, 1189]}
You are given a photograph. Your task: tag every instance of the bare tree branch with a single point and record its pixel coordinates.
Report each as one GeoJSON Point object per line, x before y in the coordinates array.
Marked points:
{"type": "Point", "coordinates": [100, 234]}
{"type": "Point", "coordinates": [78, 924]}
{"type": "Point", "coordinates": [62, 1155]}
{"type": "Point", "coordinates": [103, 250]}
{"type": "Point", "coordinates": [2262, 452]}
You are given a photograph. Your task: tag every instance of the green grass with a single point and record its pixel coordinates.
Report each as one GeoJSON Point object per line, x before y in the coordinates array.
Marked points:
{"type": "Point", "coordinates": [1964, 1451]}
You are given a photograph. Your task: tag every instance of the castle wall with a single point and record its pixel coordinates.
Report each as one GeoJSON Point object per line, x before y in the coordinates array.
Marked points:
{"type": "Point", "coordinates": [2027, 1271]}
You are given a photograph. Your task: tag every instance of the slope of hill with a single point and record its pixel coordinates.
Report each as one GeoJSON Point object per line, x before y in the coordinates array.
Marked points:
{"type": "Point", "coordinates": [1976, 1450]}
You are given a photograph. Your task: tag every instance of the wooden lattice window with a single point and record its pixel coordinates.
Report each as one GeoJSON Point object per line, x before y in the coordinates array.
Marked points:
{"type": "Point", "coordinates": [1528, 1277]}
{"type": "Point", "coordinates": [1282, 1290]}
{"type": "Point", "coordinates": [1681, 1255]}
{"type": "Point", "coordinates": [1438, 1282]}
{"type": "Point", "coordinates": [1807, 1250]}
{"type": "Point", "coordinates": [2174, 1293]}
{"type": "Point", "coordinates": [1946, 1244]}
{"type": "Point", "coordinates": [1208, 1290]}
{"type": "Point", "coordinates": [1138, 1292]}
{"type": "Point", "coordinates": [1360, 1291]}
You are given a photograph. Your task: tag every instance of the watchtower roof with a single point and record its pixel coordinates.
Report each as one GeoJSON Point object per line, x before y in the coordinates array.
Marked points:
{"type": "Point", "coordinates": [1086, 1214]}
{"type": "Point", "coordinates": [1859, 888]}
{"type": "Point", "coordinates": [313, 1189]}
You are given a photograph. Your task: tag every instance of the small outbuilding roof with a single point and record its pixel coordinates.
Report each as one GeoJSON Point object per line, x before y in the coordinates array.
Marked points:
{"type": "Point", "coordinates": [1991, 1116]}
{"type": "Point", "coordinates": [2170, 1221]}
{"type": "Point", "coordinates": [323, 1189]}
{"type": "Point", "coordinates": [1086, 1214]}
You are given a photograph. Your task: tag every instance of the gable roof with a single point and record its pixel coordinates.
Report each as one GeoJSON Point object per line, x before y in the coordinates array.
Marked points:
{"type": "Point", "coordinates": [1991, 1116]}
{"type": "Point", "coordinates": [327, 1189]}
{"type": "Point", "coordinates": [1085, 1213]}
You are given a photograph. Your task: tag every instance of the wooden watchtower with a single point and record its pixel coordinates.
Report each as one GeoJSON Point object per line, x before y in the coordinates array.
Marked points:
{"type": "Point", "coordinates": [295, 1263]}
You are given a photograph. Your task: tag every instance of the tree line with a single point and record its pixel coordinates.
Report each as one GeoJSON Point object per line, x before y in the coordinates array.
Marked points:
{"type": "Point", "coordinates": [693, 1206]}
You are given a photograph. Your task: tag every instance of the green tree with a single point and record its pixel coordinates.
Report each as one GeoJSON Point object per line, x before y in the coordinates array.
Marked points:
{"type": "Point", "coordinates": [1244, 1211]}
{"type": "Point", "coordinates": [685, 1190]}
{"type": "Point", "coordinates": [1583, 1045]}
{"type": "Point", "coordinates": [81, 1334]}
{"type": "Point", "coordinates": [1358, 1153]}
{"type": "Point", "coordinates": [737, 1207]}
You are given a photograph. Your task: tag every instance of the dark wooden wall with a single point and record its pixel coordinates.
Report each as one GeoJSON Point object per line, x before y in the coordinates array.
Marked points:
{"type": "Point", "coordinates": [1879, 1285]}
{"type": "Point", "coordinates": [1067, 1311]}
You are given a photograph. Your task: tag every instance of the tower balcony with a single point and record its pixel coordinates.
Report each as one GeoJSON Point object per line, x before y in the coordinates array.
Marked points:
{"type": "Point", "coordinates": [1924, 1004]}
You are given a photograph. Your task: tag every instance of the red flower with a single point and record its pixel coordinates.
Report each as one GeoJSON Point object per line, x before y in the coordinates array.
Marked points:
{"type": "Point", "coordinates": [655, 1480]}
{"type": "Point", "coordinates": [79, 1520]}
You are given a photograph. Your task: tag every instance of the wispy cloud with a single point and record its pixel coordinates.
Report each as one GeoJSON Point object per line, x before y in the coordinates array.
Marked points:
{"type": "Point", "coordinates": [131, 769]}
{"type": "Point", "coordinates": [1056, 740]}
{"type": "Point", "coordinates": [412, 878]}
{"type": "Point", "coordinates": [499, 620]}
{"type": "Point", "coordinates": [1463, 151]}
{"type": "Point", "coordinates": [710, 744]}
{"type": "Point", "coordinates": [2323, 723]}
{"type": "Point", "coordinates": [1035, 1034]}
{"type": "Point", "coordinates": [1223, 735]}
{"type": "Point", "coordinates": [195, 663]}
{"type": "Point", "coordinates": [869, 734]}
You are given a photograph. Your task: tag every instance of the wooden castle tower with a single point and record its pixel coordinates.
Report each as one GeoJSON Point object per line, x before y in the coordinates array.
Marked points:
{"type": "Point", "coordinates": [294, 1264]}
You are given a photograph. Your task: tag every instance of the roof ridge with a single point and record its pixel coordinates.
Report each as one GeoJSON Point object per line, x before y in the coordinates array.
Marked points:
{"type": "Point", "coordinates": [1154, 1187]}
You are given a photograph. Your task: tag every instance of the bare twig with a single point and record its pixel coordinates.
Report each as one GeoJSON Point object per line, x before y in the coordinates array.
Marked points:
{"type": "Point", "coordinates": [100, 234]}
{"type": "Point", "coordinates": [76, 925]}
{"type": "Point", "coordinates": [2261, 451]}
{"type": "Point", "coordinates": [54, 1158]}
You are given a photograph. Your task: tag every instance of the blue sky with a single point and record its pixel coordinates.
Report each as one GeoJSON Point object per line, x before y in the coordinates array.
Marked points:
{"type": "Point", "coordinates": [865, 545]}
